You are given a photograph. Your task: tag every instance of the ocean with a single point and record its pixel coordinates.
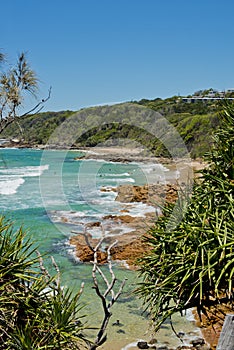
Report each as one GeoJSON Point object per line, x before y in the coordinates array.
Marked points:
{"type": "Point", "coordinates": [51, 193]}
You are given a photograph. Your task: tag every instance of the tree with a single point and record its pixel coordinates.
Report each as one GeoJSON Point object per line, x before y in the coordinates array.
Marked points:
{"type": "Point", "coordinates": [109, 296]}
{"type": "Point", "coordinates": [15, 83]}
{"type": "Point", "coordinates": [192, 265]}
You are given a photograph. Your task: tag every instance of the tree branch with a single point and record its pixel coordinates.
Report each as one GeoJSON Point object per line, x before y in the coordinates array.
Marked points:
{"type": "Point", "coordinates": [39, 106]}
{"type": "Point", "coordinates": [106, 305]}
{"type": "Point", "coordinates": [4, 122]}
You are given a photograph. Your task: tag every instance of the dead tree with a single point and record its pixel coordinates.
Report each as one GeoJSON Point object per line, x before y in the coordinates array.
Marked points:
{"type": "Point", "coordinates": [108, 297]}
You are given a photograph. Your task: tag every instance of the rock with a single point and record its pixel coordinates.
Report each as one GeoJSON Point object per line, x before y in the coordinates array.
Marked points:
{"type": "Point", "coordinates": [198, 341]}
{"type": "Point", "coordinates": [63, 219]}
{"type": "Point", "coordinates": [84, 252]}
{"type": "Point", "coordinates": [108, 189]}
{"type": "Point", "coordinates": [142, 345]}
{"type": "Point", "coordinates": [181, 334]}
{"type": "Point", "coordinates": [79, 157]}
{"type": "Point", "coordinates": [117, 323]}
{"type": "Point", "coordinates": [150, 194]}
{"type": "Point", "coordinates": [94, 224]}
{"type": "Point", "coordinates": [130, 246]}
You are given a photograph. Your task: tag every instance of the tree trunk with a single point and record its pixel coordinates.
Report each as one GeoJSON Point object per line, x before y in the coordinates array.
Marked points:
{"type": "Point", "coordinates": [226, 340]}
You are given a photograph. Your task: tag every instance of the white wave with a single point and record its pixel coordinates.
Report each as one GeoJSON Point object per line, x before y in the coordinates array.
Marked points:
{"type": "Point", "coordinates": [130, 179]}
{"type": "Point", "coordinates": [27, 171]}
{"type": "Point", "coordinates": [152, 167]}
{"type": "Point", "coordinates": [10, 186]}
{"type": "Point", "coordinates": [12, 178]}
{"type": "Point", "coordinates": [73, 216]}
{"type": "Point", "coordinates": [114, 175]}
{"type": "Point", "coordinates": [138, 209]}
{"type": "Point", "coordinates": [94, 160]}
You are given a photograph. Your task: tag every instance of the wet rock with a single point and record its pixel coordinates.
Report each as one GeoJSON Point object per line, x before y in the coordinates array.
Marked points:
{"type": "Point", "coordinates": [120, 331]}
{"type": "Point", "coordinates": [181, 334]}
{"type": "Point", "coordinates": [63, 219]}
{"type": "Point", "coordinates": [142, 345]}
{"type": "Point", "coordinates": [108, 189]}
{"type": "Point", "coordinates": [130, 246]}
{"type": "Point", "coordinates": [94, 224]}
{"type": "Point", "coordinates": [197, 342]}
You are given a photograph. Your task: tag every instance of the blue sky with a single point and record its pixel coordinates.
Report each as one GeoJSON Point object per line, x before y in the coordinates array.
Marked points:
{"type": "Point", "coordinates": [102, 51]}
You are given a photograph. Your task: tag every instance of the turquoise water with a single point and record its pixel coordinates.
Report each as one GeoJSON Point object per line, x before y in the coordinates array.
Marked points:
{"type": "Point", "coordinates": [50, 194]}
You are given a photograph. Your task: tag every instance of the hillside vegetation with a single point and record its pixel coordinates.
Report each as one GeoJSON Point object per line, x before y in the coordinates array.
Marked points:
{"type": "Point", "coordinates": [195, 122]}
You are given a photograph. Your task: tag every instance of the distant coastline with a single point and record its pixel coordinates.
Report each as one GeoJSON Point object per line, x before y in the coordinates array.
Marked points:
{"type": "Point", "coordinates": [112, 154]}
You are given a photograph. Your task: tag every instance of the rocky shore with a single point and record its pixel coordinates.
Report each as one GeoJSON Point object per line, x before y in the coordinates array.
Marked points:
{"type": "Point", "coordinates": [131, 245]}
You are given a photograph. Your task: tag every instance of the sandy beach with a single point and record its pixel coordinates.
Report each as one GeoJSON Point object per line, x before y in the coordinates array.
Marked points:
{"type": "Point", "coordinates": [136, 154]}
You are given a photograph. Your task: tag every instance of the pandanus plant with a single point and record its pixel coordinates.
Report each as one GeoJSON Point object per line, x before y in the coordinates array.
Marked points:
{"type": "Point", "coordinates": [192, 264]}
{"type": "Point", "coordinates": [36, 312]}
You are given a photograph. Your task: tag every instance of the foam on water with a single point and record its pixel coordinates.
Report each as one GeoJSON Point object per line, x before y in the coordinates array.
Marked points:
{"type": "Point", "coordinates": [9, 186]}
{"type": "Point", "coordinates": [115, 175]}
{"type": "Point", "coordinates": [12, 178]}
{"type": "Point", "coordinates": [139, 209]}
{"type": "Point", "coordinates": [26, 171]}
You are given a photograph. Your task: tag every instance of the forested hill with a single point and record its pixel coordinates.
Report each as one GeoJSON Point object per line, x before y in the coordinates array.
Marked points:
{"type": "Point", "coordinates": [195, 122]}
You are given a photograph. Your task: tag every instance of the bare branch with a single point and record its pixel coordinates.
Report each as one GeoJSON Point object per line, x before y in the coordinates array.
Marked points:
{"type": "Point", "coordinates": [39, 106]}
{"type": "Point", "coordinates": [106, 305]}
{"type": "Point", "coordinates": [42, 267]}
{"type": "Point", "coordinates": [81, 288]}
{"type": "Point", "coordinates": [58, 272]}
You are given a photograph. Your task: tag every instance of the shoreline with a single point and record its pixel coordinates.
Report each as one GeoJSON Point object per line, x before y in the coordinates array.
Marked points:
{"type": "Point", "coordinates": [114, 154]}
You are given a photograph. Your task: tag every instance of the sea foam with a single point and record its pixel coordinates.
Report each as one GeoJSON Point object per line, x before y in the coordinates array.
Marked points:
{"type": "Point", "coordinates": [12, 178]}
{"type": "Point", "coordinates": [10, 186]}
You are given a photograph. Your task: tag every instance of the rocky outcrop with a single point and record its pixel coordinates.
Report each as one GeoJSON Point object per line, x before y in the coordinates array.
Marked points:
{"type": "Point", "coordinates": [127, 252]}
{"type": "Point", "coordinates": [149, 194]}
{"type": "Point", "coordinates": [131, 245]}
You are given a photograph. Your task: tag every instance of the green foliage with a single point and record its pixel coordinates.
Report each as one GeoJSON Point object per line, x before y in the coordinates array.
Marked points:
{"type": "Point", "coordinates": [36, 129]}
{"type": "Point", "coordinates": [192, 265]}
{"type": "Point", "coordinates": [35, 311]}
{"type": "Point", "coordinates": [195, 122]}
